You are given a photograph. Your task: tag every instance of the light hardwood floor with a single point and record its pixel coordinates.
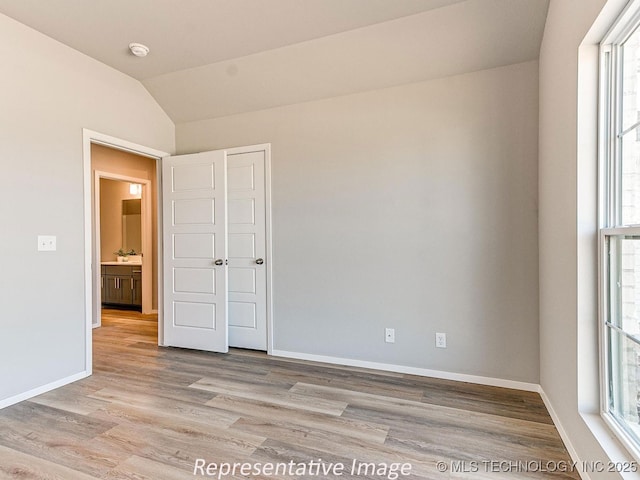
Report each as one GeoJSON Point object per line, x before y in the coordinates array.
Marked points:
{"type": "Point", "coordinates": [151, 413]}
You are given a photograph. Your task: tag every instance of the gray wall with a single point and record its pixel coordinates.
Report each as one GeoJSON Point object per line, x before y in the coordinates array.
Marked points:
{"type": "Point", "coordinates": [49, 94]}
{"type": "Point", "coordinates": [412, 207]}
{"type": "Point", "coordinates": [568, 220]}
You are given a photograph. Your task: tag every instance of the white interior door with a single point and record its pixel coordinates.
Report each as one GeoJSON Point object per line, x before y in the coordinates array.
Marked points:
{"type": "Point", "coordinates": [195, 251]}
{"type": "Point", "coordinates": [247, 249]}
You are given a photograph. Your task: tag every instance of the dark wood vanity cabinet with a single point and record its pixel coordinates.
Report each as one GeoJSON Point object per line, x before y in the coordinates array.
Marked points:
{"type": "Point", "coordinates": [122, 286]}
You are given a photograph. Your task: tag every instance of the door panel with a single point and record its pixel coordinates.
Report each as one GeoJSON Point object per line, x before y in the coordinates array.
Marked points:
{"type": "Point", "coordinates": [195, 315]}
{"type": "Point", "coordinates": [242, 245]}
{"type": "Point", "coordinates": [246, 244]}
{"type": "Point", "coordinates": [194, 235]}
{"type": "Point", "coordinates": [242, 211]}
{"type": "Point", "coordinates": [242, 177]}
{"type": "Point", "coordinates": [194, 245]}
{"type": "Point", "coordinates": [243, 314]}
{"type": "Point", "coordinates": [242, 280]}
{"type": "Point", "coordinates": [199, 210]}
{"type": "Point", "coordinates": [194, 280]}
{"type": "Point", "coordinates": [194, 176]}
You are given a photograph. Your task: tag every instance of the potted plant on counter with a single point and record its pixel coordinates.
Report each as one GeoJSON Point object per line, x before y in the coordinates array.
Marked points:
{"type": "Point", "coordinates": [121, 255]}
{"type": "Point", "coordinates": [134, 257]}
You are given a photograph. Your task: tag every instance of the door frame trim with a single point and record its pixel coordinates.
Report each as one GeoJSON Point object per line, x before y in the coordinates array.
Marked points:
{"type": "Point", "coordinates": [266, 148]}
{"type": "Point", "coordinates": [147, 267]}
{"type": "Point", "coordinates": [89, 137]}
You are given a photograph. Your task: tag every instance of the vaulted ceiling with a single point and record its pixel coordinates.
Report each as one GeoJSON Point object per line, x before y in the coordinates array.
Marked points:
{"type": "Point", "coordinates": [211, 58]}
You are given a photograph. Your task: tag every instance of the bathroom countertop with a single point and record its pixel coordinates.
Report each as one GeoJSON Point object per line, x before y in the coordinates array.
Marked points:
{"type": "Point", "coordinates": [121, 263]}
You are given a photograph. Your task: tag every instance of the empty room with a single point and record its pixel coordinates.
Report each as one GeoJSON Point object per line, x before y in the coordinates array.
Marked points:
{"type": "Point", "coordinates": [320, 239]}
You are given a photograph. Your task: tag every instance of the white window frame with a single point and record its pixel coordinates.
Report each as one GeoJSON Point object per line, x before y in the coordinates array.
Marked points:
{"type": "Point", "coordinates": [609, 211]}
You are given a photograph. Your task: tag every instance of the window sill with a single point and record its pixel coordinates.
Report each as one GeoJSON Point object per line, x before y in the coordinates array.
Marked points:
{"type": "Point", "coordinates": [611, 445]}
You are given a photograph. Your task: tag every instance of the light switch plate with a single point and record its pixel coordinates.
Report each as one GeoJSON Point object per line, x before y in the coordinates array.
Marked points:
{"type": "Point", "coordinates": [46, 243]}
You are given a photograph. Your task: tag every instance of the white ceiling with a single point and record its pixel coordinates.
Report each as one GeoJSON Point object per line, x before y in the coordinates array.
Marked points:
{"type": "Point", "coordinates": [211, 58]}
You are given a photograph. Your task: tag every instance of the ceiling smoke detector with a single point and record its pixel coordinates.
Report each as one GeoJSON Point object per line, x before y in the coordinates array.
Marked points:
{"type": "Point", "coordinates": [138, 49]}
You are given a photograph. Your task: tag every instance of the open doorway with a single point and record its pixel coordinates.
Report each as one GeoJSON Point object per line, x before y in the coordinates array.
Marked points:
{"type": "Point", "coordinates": [123, 236]}
{"type": "Point", "coordinates": [94, 143]}
{"type": "Point", "coordinates": [125, 231]}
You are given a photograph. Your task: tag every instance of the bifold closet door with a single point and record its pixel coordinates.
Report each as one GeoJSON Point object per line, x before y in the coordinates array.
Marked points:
{"type": "Point", "coordinates": [246, 206]}
{"type": "Point", "coordinates": [195, 251]}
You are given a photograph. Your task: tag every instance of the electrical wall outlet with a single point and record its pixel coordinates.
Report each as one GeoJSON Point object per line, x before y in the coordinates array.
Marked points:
{"type": "Point", "coordinates": [441, 340]}
{"type": "Point", "coordinates": [389, 335]}
{"type": "Point", "coordinates": [46, 243]}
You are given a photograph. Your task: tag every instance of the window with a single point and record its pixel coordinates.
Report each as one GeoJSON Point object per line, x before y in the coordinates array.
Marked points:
{"type": "Point", "coordinates": [619, 221]}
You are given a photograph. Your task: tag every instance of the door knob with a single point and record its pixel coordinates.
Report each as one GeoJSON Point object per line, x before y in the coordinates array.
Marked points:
{"type": "Point", "coordinates": [259, 261]}
{"type": "Point", "coordinates": [218, 261]}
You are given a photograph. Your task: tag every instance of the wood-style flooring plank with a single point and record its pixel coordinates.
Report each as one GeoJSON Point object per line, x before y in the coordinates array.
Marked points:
{"type": "Point", "coordinates": [144, 384]}
{"type": "Point", "coordinates": [334, 444]}
{"type": "Point", "coordinates": [410, 412]}
{"type": "Point", "coordinates": [28, 416]}
{"type": "Point", "coordinates": [482, 398]}
{"type": "Point", "coordinates": [140, 468]}
{"type": "Point", "coordinates": [161, 406]}
{"type": "Point", "coordinates": [387, 386]}
{"type": "Point", "coordinates": [15, 464]}
{"type": "Point", "coordinates": [370, 432]}
{"type": "Point", "coordinates": [74, 399]}
{"type": "Point", "coordinates": [277, 451]}
{"type": "Point", "coordinates": [274, 395]}
{"type": "Point", "coordinates": [124, 414]}
{"type": "Point", "coordinates": [70, 451]}
{"type": "Point", "coordinates": [179, 449]}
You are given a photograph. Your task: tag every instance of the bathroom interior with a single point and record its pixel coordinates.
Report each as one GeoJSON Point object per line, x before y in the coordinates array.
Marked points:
{"type": "Point", "coordinates": [121, 249]}
{"type": "Point", "coordinates": [126, 220]}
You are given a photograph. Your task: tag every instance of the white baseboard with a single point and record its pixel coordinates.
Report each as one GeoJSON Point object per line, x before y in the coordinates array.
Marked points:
{"type": "Point", "coordinates": [423, 372]}
{"type": "Point", "coordinates": [563, 435]}
{"type": "Point", "coordinates": [43, 389]}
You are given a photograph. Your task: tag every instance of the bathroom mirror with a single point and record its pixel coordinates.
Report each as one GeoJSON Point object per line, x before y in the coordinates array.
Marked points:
{"type": "Point", "coordinates": [132, 225]}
